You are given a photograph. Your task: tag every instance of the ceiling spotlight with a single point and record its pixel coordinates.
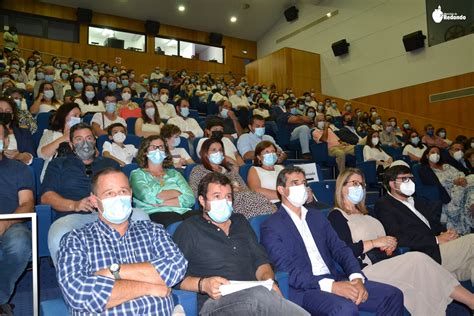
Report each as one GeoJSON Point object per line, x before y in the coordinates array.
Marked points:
{"type": "Point", "coordinates": [244, 51]}
{"type": "Point", "coordinates": [233, 19]}
{"type": "Point", "coordinates": [181, 8]}
{"type": "Point", "coordinates": [328, 14]}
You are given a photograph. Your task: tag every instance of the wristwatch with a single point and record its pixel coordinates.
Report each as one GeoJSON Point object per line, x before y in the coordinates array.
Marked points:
{"type": "Point", "coordinates": [115, 269]}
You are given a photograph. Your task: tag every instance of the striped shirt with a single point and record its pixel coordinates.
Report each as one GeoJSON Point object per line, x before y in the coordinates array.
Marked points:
{"type": "Point", "coordinates": [96, 246]}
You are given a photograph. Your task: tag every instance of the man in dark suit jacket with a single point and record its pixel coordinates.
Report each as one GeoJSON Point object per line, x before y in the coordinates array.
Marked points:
{"type": "Point", "coordinates": [455, 157]}
{"type": "Point", "coordinates": [411, 221]}
{"type": "Point", "coordinates": [303, 243]}
{"type": "Point", "coordinates": [348, 133]}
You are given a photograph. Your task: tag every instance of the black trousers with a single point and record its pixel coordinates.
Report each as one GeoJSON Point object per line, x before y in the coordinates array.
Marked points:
{"type": "Point", "coordinates": [168, 218]}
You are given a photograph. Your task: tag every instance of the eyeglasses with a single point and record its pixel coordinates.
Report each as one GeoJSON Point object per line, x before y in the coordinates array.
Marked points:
{"type": "Point", "coordinates": [155, 147]}
{"type": "Point", "coordinates": [88, 170]}
{"type": "Point", "coordinates": [354, 183]}
{"type": "Point", "coordinates": [406, 179]}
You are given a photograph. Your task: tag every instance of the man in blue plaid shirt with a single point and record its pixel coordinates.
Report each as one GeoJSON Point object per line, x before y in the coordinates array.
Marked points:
{"type": "Point", "coordinates": [115, 265]}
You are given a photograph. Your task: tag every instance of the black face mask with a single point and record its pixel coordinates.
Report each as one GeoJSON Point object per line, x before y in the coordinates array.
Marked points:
{"type": "Point", "coordinates": [217, 135]}
{"type": "Point", "coordinates": [6, 118]}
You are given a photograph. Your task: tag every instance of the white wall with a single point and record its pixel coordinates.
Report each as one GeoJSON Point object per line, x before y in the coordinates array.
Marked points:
{"type": "Point", "coordinates": [377, 60]}
{"type": "Point", "coordinates": [210, 53]}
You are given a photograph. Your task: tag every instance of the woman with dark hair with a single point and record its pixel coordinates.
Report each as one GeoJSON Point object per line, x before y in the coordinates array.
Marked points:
{"type": "Point", "coordinates": [126, 107]}
{"type": "Point", "coordinates": [57, 136]}
{"type": "Point", "coordinates": [89, 103]}
{"type": "Point", "coordinates": [158, 189]}
{"type": "Point", "coordinates": [455, 189]}
{"type": "Point", "coordinates": [46, 100]}
{"type": "Point", "coordinates": [213, 159]}
{"type": "Point", "coordinates": [414, 147]}
{"type": "Point", "coordinates": [77, 86]}
{"type": "Point", "coordinates": [150, 122]}
{"type": "Point", "coordinates": [21, 145]}
{"type": "Point", "coordinates": [373, 152]}
{"type": "Point", "coordinates": [262, 176]}
{"type": "Point", "coordinates": [427, 287]}
{"type": "Point", "coordinates": [25, 119]}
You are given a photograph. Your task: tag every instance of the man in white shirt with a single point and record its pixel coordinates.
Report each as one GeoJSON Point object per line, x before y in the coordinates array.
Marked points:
{"type": "Point", "coordinates": [248, 141]}
{"type": "Point", "coordinates": [302, 242]}
{"type": "Point", "coordinates": [189, 127]}
{"type": "Point", "coordinates": [156, 75]}
{"type": "Point", "coordinates": [333, 110]}
{"type": "Point", "coordinates": [219, 95]}
{"type": "Point", "coordinates": [165, 109]}
{"type": "Point", "coordinates": [238, 99]}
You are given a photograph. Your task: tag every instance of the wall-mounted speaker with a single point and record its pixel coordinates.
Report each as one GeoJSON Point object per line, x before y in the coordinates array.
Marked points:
{"type": "Point", "coordinates": [84, 15]}
{"type": "Point", "coordinates": [152, 27]}
{"type": "Point", "coordinates": [291, 14]}
{"type": "Point", "coordinates": [340, 47]}
{"type": "Point", "coordinates": [414, 41]}
{"type": "Point", "coordinates": [215, 39]}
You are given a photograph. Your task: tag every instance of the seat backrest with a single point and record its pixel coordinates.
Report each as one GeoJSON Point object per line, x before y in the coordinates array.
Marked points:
{"type": "Point", "coordinates": [131, 125]}
{"type": "Point", "coordinates": [194, 154]}
{"type": "Point", "coordinates": [256, 221]}
{"type": "Point", "coordinates": [415, 170]}
{"type": "Point", "coordinates": [172, 228]}
{"type": "Point", "coordinates": [127, 169]}
{"type": "Point", "coordinates": [319, 152]}
{"type": "Point", "coordinates": [183, 143]}
{"type": "Point", "coordinates": [188, 170]}
{"type": "Point", "coordinates": [88, 118]}
{"type": "Point", "coordinates": [36, 167]}
{"type": "Point", "coordinates": [324, 191]}
{"type": "Point", "coordinates": [369, 170]}
{"type": "Point", "coordinates": [359, 153]}
{"type": "Point", "coordinates": [244, 171]}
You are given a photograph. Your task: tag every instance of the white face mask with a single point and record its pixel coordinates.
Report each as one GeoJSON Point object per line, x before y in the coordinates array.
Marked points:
{"type": "Point", "coordinates": [117, 209]}
{"type": "Point", "coordinates": [119, 137]}
{"type": "Point", "coordinates": [407, 188]}
{"type": "Point", "coordinates": [150, 112]}
{"type": "Point", "coordinates": [126, 96]}
{"type": "Point", "coordinates": [297, 195]}
{"type": "Point", "coordinates": [375, 141]}
{"type": "Point", "coordinates": [434, 158]}
{"type": "Point", "coordinates": [458, 155]}
{"type": "Point", "coordinates": [164, 98]}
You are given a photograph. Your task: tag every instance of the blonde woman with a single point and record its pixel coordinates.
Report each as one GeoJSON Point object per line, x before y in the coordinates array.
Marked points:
{"type": "Point", "coordinates": [427, 287]}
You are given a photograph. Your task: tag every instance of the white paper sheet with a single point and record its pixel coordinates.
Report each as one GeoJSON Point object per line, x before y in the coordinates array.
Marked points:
{"type": "Point", "coordinates": [236, 286]}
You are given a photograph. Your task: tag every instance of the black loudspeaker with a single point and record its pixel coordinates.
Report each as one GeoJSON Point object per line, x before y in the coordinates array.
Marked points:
{"type": "Point", "coordinates": [152, 27]}
{"type": "Point", "coordinates": [414, 41]}
{"type": "Point", "coordinates": [84, 15]}
{"type": "Point", "coordinates": [291, 14]}
{"type": "Point", "coordinates": [215, 39]}
{"type": "Point", "coordinates": [340, 47]}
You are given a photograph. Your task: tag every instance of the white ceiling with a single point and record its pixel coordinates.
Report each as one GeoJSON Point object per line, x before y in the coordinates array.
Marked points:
{"type": "Point", "coordinates": [203, 15]}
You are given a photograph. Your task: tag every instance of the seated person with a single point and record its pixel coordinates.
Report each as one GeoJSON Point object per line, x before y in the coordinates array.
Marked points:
{"type": "Point", "coordinates": [407, 129]}
{"type": "Point", "coordinates": [46, 100]}
{"type": "Point", "coordinates": [115, 148]}
{"type": "Point", "coordinates": [297, 125]}
{"type": "Point", "coordinates": [154, 92]}
{"type": "Point", "coordinates": [241, 105]}
{"type": "Point", "coordinates": [373, 152]}
{"type": "Point", "coordinates": [166, 109]}
{"type": "Point", "coordinates": [336, 147]}
{"type": "Point", "coordinates": [16, 197]}
{"type": "Point", "coordinates": [219, 94]}
{"type": "Point", "coordinates": [77, 86]}
{"type": "Point", "coordinates": [158, 189]}
{"type": "Point", "coordinates": [215, 129]}
{"type": "Point", "coordinates": [25, 118]}
{"type": "Point", "coordinates": [214, 159]}
{"type": "Point", "coordinates": [414, 147]}
{"type": "Point", "coordinates": [441, 132]}
{"type": "Point", "coordinates": [213, 261]}
{"type": "Point", "coordinates": [333, 110]}
{"type": "Point", "coordinates": [88, 102]}
{"type": "Point", "coordinates": [430, 139]}
{"type": "Point", "coordinates": [395, 129]}
{"type": "Point", "coordinates": [348, 134]}
{"type": "Point", "coordinates": [377, 125]}
{"type": "Point", "coordinates": [232, 127]}
{"type": "Point", "coordinates": [412, 222]}
{"type": "Point", "coordinates": [427, 287]}
{"type": "Point", "coordinates": [67, 185]}
{"type": "Point", "coordinates": [455, 189]}
{"type": "Point", "coordinates": [55, 140]}
{"type": "Point", "coordinates": [171, 133]}
{"type": "Point", "coordinates": [388, 137]}
{"type": "Point", "coordinates": [126, 107]}
{"type": "Point", "coordinates": [302, 242]}
{"type": "Point", "coordinates": [189, 127]}
{"type": "Point", "coordinates": [20, 146]}
{"type": "Point", "coordinates": [469, 158]}
{"type": "Point", "coordinates": [101, 121]}
{"type": "Point", "coordinates": [111, 88]}
{"type": "Point", "coordinates": [97, 276]}
{"type": "Point", "coordinates": [456, 158]}
{"type": "Point", "coordinates": [248, 141]}
{"type": "Point", "coordinates": [262, 176]}
{"type": "Point", "coordinates": [149, 124]}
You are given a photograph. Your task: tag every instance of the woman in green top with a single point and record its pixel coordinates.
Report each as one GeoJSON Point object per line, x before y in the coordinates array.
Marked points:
{"type": "Point", "coordinates": [160, 191]}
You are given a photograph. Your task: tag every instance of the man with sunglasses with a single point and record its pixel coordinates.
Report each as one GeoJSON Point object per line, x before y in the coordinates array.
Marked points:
{"type": "Point", "coordinates": [67, 185]}
{"type": "Point", "coordinates": [415, 223]}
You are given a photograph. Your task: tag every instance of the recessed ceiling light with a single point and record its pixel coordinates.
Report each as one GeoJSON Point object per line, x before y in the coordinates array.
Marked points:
{"type": "Point", "coordinates": [233, 19]}
{"type": "Point", "coordinates": [181, 8]}
{"type": "Point", "coordinates": [328, 14]}
{"type": "Point", "coordinates": [244, 51]}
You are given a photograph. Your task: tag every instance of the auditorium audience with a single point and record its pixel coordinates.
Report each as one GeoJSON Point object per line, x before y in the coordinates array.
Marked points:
{"type": "Point", "coordinates": [427, 287]}
{"type": "Point", "coordinates": [414, 148]}
{"type": "Point", "coordinates": [388, 137]}
{"type": "Point", "coordinates": [149, 123]}
{"type": "Point", "coordinates": [102, 120]}
{"type": "Point", "coordinates": [456, 158]}
{"type": "Point", "coordinates": [17, 197]}
{"type": "Point", "coordinates": [158, 189]}
{"type": "Point", "coordinates": [166, 109]}
{"type": "Point", "coordinates": [126, 107]}
{"type": "Point", "coordinates": [77, 86]}
{"type": "Point", "coordinates": [332, 109]}
{"type": "Point", "coordinates": [25, 118]}
{"type": "Point", "coordinates": [232, 127]}
{"type": "Point", "coordinates": [46, 100]}
{"type": "Point", "coordinates": [431, 139]}
{"type": "Point", "coordinates": [214, 159]}
{"type": "Point", "coordinates": [181, 158]}
{"type": "Point", "coordinates": [118, 281]}
{"type": "Point", "coordinates": [455, 189]}
{"type": "Point", "coordinates": [302, 242]}
{"type": "Point", "coordinates": [441, 132]}
{"type": "Point", "coordinates": [189, 127]}
{"type": "Point", "coordinates": [88, 102]}
{"type": "Point", "coordinates": [377, 123]}
{"type": "Point", "coordinates": [373, 152]}
{"type": "Point", "coordinates": [115, 148]}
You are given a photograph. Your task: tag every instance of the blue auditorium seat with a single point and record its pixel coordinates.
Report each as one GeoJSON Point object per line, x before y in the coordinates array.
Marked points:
{"type": "Point", "coordinates": [44, 215]}
{"type": "Point", "coordinates": [244, 171]}
{"type": "Point", "coordinates": [183, 143]}
{"type": "Point", "coordinates": [324, 191]}
{"type": "Point", "coordinates": [127, 169]}
{"type": "Point", "coordinates": [320, 154]}
{"type": "Point", "coordinates": [131, 125]}
{"type": "Point", "coordinates": [187, 171]}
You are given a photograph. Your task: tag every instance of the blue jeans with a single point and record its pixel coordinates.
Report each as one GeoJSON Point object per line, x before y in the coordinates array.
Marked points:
{"type": "Point", "coordinates": [15, 252]}
{"type": "Point", "coordinates": [68, 223]}
{"type": "Point", "coordinates": [303, 134]}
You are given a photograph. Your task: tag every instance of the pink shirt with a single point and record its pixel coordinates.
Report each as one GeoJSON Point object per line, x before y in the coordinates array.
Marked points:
{"type": "Point", "coordinates": [434, 141]}
{"type": "Point", "coordinates": [332, 140]}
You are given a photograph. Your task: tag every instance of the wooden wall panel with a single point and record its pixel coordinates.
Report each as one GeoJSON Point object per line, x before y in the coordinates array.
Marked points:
{"type": "Point", "coordinates": [287, 67]}
{"type": "Point", "coordinates": [142, 62]}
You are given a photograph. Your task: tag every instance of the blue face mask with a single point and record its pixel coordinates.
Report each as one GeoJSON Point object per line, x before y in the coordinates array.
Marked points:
{"type": "Point", "coordinates": [125, 83]}
{"type": "Point", "coordinates": [103, 83]}
{"type": "Point", "coordinates": [110, 107]}
{"type": "Point", "coordinates": [112, 85]}
{"type": "Point", "coordinates": [90, 95]}
{"type": "Point", "coordinates": [294, 111]}
{"type": "Point", "coordinates": [239, 93]}
{"type": "Point", "coordinates": [260, 131]}
{"type": "Point", "coordinates": [49, 78]}
{"type": "Point", "coordinates": [184, 112]}
{"type": "Point", "coordinates": [156, 156]}
{"type": "Point", "coordinates": [220, 211]}
{"type": "Point", "coordinates": [430, 132]}
{"type": "Point", "coordinates": [176, 141]}
{"type": "Point", "coordinates": [415, 140]}
{"type": "Point", "coordinates": [356, 194]}
{"type": "Point", "coordinates": [1, 145]}
{"type": "Point", "coordinates": [311, 114]}
{"type": "Point", "coordinates": [224, 113]}
{"type": "Point", "coordinates": [154, 90]}
{"type": "Point", "coordinates": [269, 159]}
{"type": "Point", "coordinates": [39, 76]}
{"type": "Point", "coordinates": [334, 105]}
{"type": "Point", "coordinates": [65, 76]}
{"type": "Point", "coordinates": [78, 85]}
{"type": "Point", "coordinates": [281, 102]}
{"type": "Point", "coordinates": [216, 158]}
{"type": "Point", "coordinates": [406, 126]}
